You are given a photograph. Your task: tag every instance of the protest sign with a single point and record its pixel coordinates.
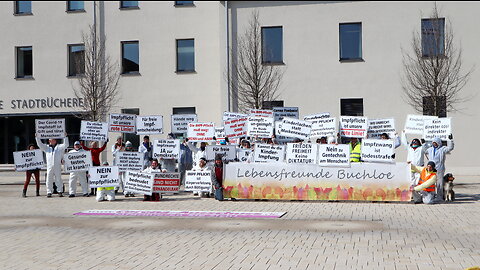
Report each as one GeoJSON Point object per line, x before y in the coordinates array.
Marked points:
{"type": "Point", "coordinates": [280, 112]}
{"type": "Point", "coordinates": [93, 131]}
{"type": "Point", "coordinates": [353, 126]}
{"type": "Point", "coordinates": [166, 182]}
{"type": "Point", "coordinates": [180, 122]}
{"type": "Point", "coordinates": [323, 127]}
{"type": "Point", "coordinates": [278, 136]}
{"type": "Point", "coordinates": [220, 133]}
{"type": "Point", "coordinates": [334, 155]}
{"type": "Point", "coordinates": [232, 115]}
{"type": "Point", "coordinates": [414, 123]}
{"type": "Point", "coordinates": [313, 117]}
{"type": "Point", "coordinates": [243, 154]}
{"type": "Point", "coordinates": [77, 161]}
{"type": "Point", "coordinates": [103, 177]}
{"type": "Point", "coordinates": [198, 181]}
{"type": "Point", "coordinates": [201, 132]}
{"type": "Point", "coordinates": [261, 113]}
{"type": "Point", "coordinates": [28, 160]}
{"type": "Point", "coordinates": [129, 161]}
{"type": "Point", "coordinates": [440, 127]}
{"type": "Point", "coordinates": [228, 152]}
{"type": "Point", "coordinates": [301, 153]}
{"type": "Point", "coordinates": [166, 149]}
{"type": "Point", "coordinates": [260, 126]}
{"type": "Point", "coordinates": [378, 126]}
{"type": "Point", "coordinates": [139, 182]}
{"type": "Point", "coordinates": [151, 124]}
{"type": "Point", "coordinates": [269, 153]}
{"type": "Point", "coordinates": [295, 128]}
{"type": "Point", "coordinates": [235, 128]}
{"type": "Point", "coordinates": [124, 123]}
{"type": "Point", "coordinates": [50, 128]}
{"type": "Point", "coordinates": [378, 150]}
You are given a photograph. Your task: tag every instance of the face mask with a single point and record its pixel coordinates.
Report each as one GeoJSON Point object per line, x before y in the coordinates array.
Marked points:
{"type": "Point", "coordinates": [202, 148]}
{"type": "Point", "coordinates": [415, 145]}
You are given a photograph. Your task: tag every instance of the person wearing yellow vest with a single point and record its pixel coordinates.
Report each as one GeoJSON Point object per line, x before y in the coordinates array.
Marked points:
{"type": "Point", "coordinates": [355, 150]}
{"type": "Point", "coordinates": [425, 190]}
{"type": "Point", "coordinates": [103, 192]}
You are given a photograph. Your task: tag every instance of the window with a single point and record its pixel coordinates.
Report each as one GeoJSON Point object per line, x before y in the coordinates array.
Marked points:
{"type": "Point", "coordinates": [24, 62]}
{"type": "Point", "coordinates": [351, 106]}
{"type": "Point", "coordinates": [184, 110]}
{"type": "Point", "coordinates": [128, 4]}
{"type": "Point", "coordinates": [130, 57]}
{"type": "Point", "coordinates": [350, 41]}
{"type": "Point", "coordinates": [185, 55]}
{"type": "Point", "coordinates": [183, 3]}
{"type": "Point", "coordinates": [75, 6]}
{"type": "Point", "coordinates": [435, 105]}
{"type": "Point", "coordinates": [433, 37]}
{"type": "Point", "coordinates": [76, 60]}
{"type": "Point", "coordinates": [23, 7]}
{"type": "Point", "coordinates": [268, 105]}
{"type": "Point", "coordinates": [272, 44]}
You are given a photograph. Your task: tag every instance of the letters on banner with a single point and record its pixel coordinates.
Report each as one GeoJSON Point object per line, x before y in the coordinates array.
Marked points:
{"type": "Point", "coordinates": [353, 126]}
{"type": "Point", "coordinates": [77, 161]}
{"type": "Point", "coordinates": [151, 124]}
{"type": "Point", "coordinates": [93, 131]}
{"type": "Point", "coordinates": [374, 150]}
{"type": "Point", "coordinates": [198, 181]}
{"type": "Point", "coordinates": [201, 132]}
{"type": "Point", "coordinates": [302, 153]}
{"type": "Point", "coordinates": [166, 149]}
{"type": "Point", "coordinates": [139, 182]}
{"type": "Point", "coordinates": [166, 182]}
{"type": "Point", "coordinates": [105, 176]}
{"type": "Point", "coordinates": [268, 153]}
{"type": "Point", "coordinates": [179, 123]}
{"type": "Point", "coordinates": [124, 123]}
{"type": "Point", "coordinates": [440, 127]}
{"type": "Point", "coordinates": [50, 128]}
{"type": "Point", "coordinates": [28, 160]}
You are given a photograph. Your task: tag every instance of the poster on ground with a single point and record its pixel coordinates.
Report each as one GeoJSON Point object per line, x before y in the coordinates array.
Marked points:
{"type": "Point", "coordinates": [200, 181]}
{"type": "Point", "coordinates": [124, 123]}
{"type": "Point", "coordinates": [201, 132]}
{"type": "Point", "coordinates": [440, 127]}
{"type": "Point", "coordinates": [305, 153]}
{"type": "Point", "coordinates": [77, 161]}
{"type": "Point", "coordinates": [129, 161]}
{"type": "Point", "coordinates": [139, 182]}
{"type": "Point", "coordinates": [264, 153]}
{"type": "Point", "coordinates": [228, 152]}
{"type": "Point", "coordinates": [103, 176]}
{"type": "Point", "coordinates": [353, 126]}
{"type": "Point", "coordinates": [332, 155]}
{"type": "Point", "coordinates": [166, 182]}
{"type": "Point", "coordinates": [414, 123]}
{"type": "Point", "coordinates": [179, 123]}
{"type": "Point", "coordinates": [93, 131]}
{"type": "Point", "coordinates": [166, 149]}
{"type": "Point", "coordinates": [28, 160]}
{"type": "Point", "coordinates": [50, 128]}
{"type": "Point", "coordinates": [376, 127]}
{"type": "Point", "coordinates": [151, 124]}
{"type": "Point", "coordinates": [376, 150]}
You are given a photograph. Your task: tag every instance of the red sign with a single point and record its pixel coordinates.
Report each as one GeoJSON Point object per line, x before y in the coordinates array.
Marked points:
{"type": "Point", "coordinates": [166, 182]}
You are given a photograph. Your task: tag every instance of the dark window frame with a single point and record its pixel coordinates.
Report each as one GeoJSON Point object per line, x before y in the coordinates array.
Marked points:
{"type": "Point", "coordinates": [121, 7]}
{"type": "Point", "coordinates": [356, 59]}
{"type": "Point", "coordinates": [15, 9]}
{"type": "Point", "coordinates": [176, 56]}
{"type": "Point", "coordinates": [69, 73]}
{"type": "Point", "coordinates": [17, 66]}
{"type": "Point", "coordinates": [69, 10]}
{"type": "Point", "coordinates": [422, 41]}
{"type": "Point", "coordinates": [183, 5]}
{"type": "Point", "coordinates": [343, 106]}
{"type": "Point", "coordinates": [262, 42]}
{"type": "Point", "coordinates": [427, 107]}
{"type": "Point", "coordinates": [122, 53]}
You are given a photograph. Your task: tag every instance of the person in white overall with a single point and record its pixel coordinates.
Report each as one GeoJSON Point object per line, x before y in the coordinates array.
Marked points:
{"type": "Point", "coordinates": [437, 154]}
{"type": "Point", "coordinates": [81, 176]}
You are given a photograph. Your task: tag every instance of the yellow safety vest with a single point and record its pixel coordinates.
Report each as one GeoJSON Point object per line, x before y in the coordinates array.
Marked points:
{"type": "Point", "coordinates": [355, 152]}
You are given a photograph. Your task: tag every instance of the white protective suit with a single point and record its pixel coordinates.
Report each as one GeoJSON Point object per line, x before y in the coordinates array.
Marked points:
{"type": "Point", "coordinates": [197, 153]}
{"type": "Point", "coordinates": [54, 163]}
{"type": "Point", "coordinates": [416, 156]}
{"type": "Point", "coordinates": [147, 155]}
{"type": "Point", "coordinates": [80, 176]}
{"type": "Point", "coordinates": [437, 155]}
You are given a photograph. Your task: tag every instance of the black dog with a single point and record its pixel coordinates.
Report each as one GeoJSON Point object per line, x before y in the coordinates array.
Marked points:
{"type": "Point", "coordinates": [448, 193]}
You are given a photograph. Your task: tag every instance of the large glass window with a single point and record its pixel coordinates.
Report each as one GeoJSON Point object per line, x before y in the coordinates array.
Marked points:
{"type": "Point", "coordinates": [24, 62]}
{"type": "Point", "coordinates": [350, 41]}
{"type": "Point", "coordinates": [435, 105]}
{"type": "Point", "coordinates": [130, 57]}
{"type": "Point", "coordinates": [183, 3]}
{"type": "Point", "coordinates": [272, 44]}
{"type": "Point", "coordinates": [23, 7]}
{"type": "Point", "coordinates": [351, 106]}
{"type": "Point", "coordinates": [76, 59]}
{"type": "Point", "coordinates": [75, 6]}
{"type": "Point", "coordinates": [433, 37]}
{"type": "Point", "coordinates": [128, 4]}
{"type": "Point", "coordinates": [185, 55]}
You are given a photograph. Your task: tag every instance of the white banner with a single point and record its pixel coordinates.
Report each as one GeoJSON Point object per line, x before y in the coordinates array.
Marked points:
{"type": "Point", "coordinates": [278, 136]}
{"type": "Point", "coordinates": [334, 155]}
{"type": "Point", "coordinates": [228, 152]}
{"type": "Point", "coordinates": [93, 131]}
{"type": "Point", "coordinates": [50, 128]}
{"type": "Point", "coordinates": [414, 123]}
{"type": "Point", "coordinates": [378, 126]}
{"type": "Point", "coordinates": [313, 117]}
{"type": "Point", "coordinates": [295, 128]}
{"type": "Point", "coordinates": [166, 182]}
{"type": "Point", "coordinates": [243, 154]}
{"type": "Point", "coordinates": [77, 161]}
{"type": "Point", "coordinates": [260, 126]}
{"type": "Point", "coordinates": [198, 181]}
{"type": "Point", "coordinates": [28, 160]}
{"type": "Point", "coordinates": [323, 127]}
{"type": "Point", "coordinates": [201, 132]}
{"type": "Point", "coordinates": [261, 113]}
{"type": "Point", "coordinates": [124, 123]}
{"type": "Point", "coordinates": [378, 150]}
{"type": "Point", "coordinates": [232, 115]}
{"type": "Point", "coordinates": [268, 153]}
{"type": "Point", "coordinates": [353, 126]}
{"type": "Point", "coordinates": [235, 128]}
{"type": "Point", "coordinates": [139, 182]}
{"type": "Point", "coordinates": [151, 124]}
{"type": "Point", "coordinates": [180, 122]}
{"type": "Point", "coordinates": [440, 127]}
{"type": "Point", "coordinates": [166, 149]}
{"type": "Point", "coordinates": [305, 153]}
{"type": "Point", "coordinates": [280, 112]}
{"type": "Point", "coordinates": [103, 177]}
{"type": "Point", "coordinates": [219, 133]}
{"type": "Point", "coordinates": [129, 161]}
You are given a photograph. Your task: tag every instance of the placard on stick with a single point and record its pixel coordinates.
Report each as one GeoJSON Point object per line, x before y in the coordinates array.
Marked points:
{"type": "Point", "coordinates": [28, 160]}
{"type": "Point", "coordinates": [50, 128]}
{"type": "Point", "coordinates": [93, 131]}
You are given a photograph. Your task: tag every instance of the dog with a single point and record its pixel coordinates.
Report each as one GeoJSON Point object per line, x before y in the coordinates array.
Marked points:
{"type": "Point", "coordinates": [448, 193]}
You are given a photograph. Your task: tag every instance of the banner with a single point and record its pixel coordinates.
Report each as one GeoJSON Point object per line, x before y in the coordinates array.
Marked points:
{"type": "Point", "coordinates": [28, 160]}
{"type": "Point", "coordinates": [166, 182]}
{"type": "Point", "coordinates": [378, 150]}
{"type": "Point", "coordinates": [334, 155]}
{"type": "Point", "coordinates": [280, 112]}
{"type": "Point", "coordinates": [440, 127]}
{"type": "Point", "coordinates": [93, 131]}
{"type": "Point", "coordinates": [77, 161]}
{"type": "Point", "coordinates": [414, 123]}
{"type": "Point", "coordinates": [103, 177]}
{"type": "Point", "coordinates": [268, 153]}
{"type": "Point", "coordinates": [180, 122]}
{"type": "Point", "coordinates": [228, 152]}
{"type": "Point", "coordinates": [295, 128]}
{"type": "Point", "coordinates": [235, 128]}
{"type": "Point", "coordinates": [219, 133]}
{"type": "Point", "coordinates": [231, 115]}
{"type": "Point", "coordinates": [305, 153]}
{"type": "Point", "coordinates": [360, 182]}
{"type": "Point", "coordinates": [261, 113]}
{"type": "Point", "coordinates": [313, 117]}
{"type": "Point", "coordinates": [378, 126]}
{"type": "Point", "coordinates": [353, 126]}
{"type": "Point", "coordinates": [243, 154]}
{"type": "Point", "coordinates": [139, 182]}
{"type": "Point", "coordinates": [151, 124]}
{"type": "Point", "coordinates": [124, 123]}
{"type": "Point", "coordinates": [166, 149]}
{"type": "Point", "coordinates": [129, 161]}
{"type": "Point", "coordinates": [260, 126]}
{"type": "Point", "coordinates": [323, 127]}
{"type": "Point", "coordinates": [198, 181]}
{"type": "Point", "coordinates": [278, 137]}
{"type": "Point", "coordinates": [50, 128]}
{"type": "Point", "coordinates": [201, 132]}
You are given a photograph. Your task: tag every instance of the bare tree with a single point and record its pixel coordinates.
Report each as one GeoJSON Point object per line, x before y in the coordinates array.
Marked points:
{"type": "Point", "coordinates": [98, 85]}
{"type": "Point", "coordinates": [433, 74]}
{"type": "Point", "coordinates": [251, 80]}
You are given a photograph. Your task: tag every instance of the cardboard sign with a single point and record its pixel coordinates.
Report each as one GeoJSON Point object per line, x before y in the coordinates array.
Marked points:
{"type": "Point", "coordinates": [243, 154]}
{"type": "Point", "coordinates": [152, 124]}
{"type": "Point", "coordinates": [201, 132]}
{"type": "Point", "coordinates": [261, 113]}
{"type": "Point", "coordinates": [103, 177]}
{"type": "Point", "coordinates": [295, 128]}
{"type": "Point", "coordinates": [228, 152]}
{"type": "Point", "coordinates": [166, 182]}
{"type": "Point", "coordinates": [334, 155]}
{"type": "Point", "coordinates": [77, 161]}
{"type": "Point", "coordinates": [280, 112]}
{"type": "Point", "coordinates": [198, 181]}
{"type": "Point", "coordinates": [166, 149]}
{"type": "Point", "coordinates": [180, 122]}
{"type": "Point", "coordinates": [129, 161]}
{"type": "Point", "coordinates": [268, 153]}
{"type": "Point", "coordinates": [323, 127]}
{"type": "Point", "coordinates": [93, 131]}
{"type": "Point", "coordinates": [353, 126]}
{"type": "Point", "coordinates": [28, 160]}
{"type": "Point", "coordinates": [440, 127]}
{"type": "Point", "coordinates": [231, 115]}
{"type": "Point", "coordinates": [302, 153]}
{"type": "Point", "coordinates": [378, 126]}
{"type": "Point", "coordinates": [124, 123]}
{"type": "Point", "coordinates": [414, 123]}
{"type": "Point", "coordinates": [260, 126]}
{"type": "Point", "coordinates": [50, 128]}
{"type": "Point", "coordinates": [313, 117]}
{"type": "Point", "coordinates": [235, 128]}
{"type": "Point", "coordinates": [139, 182]}
{"type": "Point", "coordinates": [378, 150]}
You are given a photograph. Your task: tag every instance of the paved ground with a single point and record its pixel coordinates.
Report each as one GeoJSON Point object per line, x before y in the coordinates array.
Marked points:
{"type": "Point", "coordinates": [42, 233]}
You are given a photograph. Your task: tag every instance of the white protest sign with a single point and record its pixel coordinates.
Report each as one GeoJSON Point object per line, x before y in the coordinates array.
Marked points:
{"type": "Point", "coordinates": [50, 128]}
{"type": "Point", "coordinates": [124, 123]}
{"type": "Point", "coordinates": [28, 160]}
{"type": "Point", "coordinates": [440, 127]}
{"type": "Point", "coordinates": [313, 117]}
{"type": "Point", "coordinates": [166, 182]}
{"type": "Point", "coordinates": [201, 132]}
{"type": "Point", "coordinates": [219, 132]}
{"type": "Point", "coordinates": [260, 126]}
{"type": "Point", "coordinates": [103, 177]}
{"type": "Point", "coordinates": [377, 127]}
{"type": "Point", "coordinates": [280, 112]}
{"type": "Point", "coordinates": [166, 149]}
{"type": "Point", "coordinates": [198, 181]}
{"type": "Point", "coordinates": [151, 124]}
{"type": "Point", "coordinates": [139, 182]}
{"type": "Point", "coordinates": [261, 113]}
{"type": "Point", "coordinates": [378, 150]}
{"type": "Point", "coordinates": [243, 154]}
{"type": "Point", "coordinates": [235, 128]}
{"type": "Point", "coordinates": [228, 152]}
{"type": "Point", "coordinates": [77, 161]}
{"type": "Point", "coordinates": [295, 128]}
{"type": "Point", "coordinates": [232, 115]}
{"type": "Point", "coordinates": [334, 155]}
{"type": "Point", "coordinates": [301, 153]}
{"type": "Point", "coordinates": [353, 126]}
{"type": "Point", "coordinates": [93, 131]}
{"type": "Point", "coordinates": [278, 137]}
{"type": "Point", "coordinates": [129, 161]}
{"type": "Point", "coordinates": [323, 127]}
{"type": "Point", "coordinates": [414, 123]}
{"type": "Point", "coordinates": [268, 153]}
{"type": "Point", "coordinates": [180, 122]}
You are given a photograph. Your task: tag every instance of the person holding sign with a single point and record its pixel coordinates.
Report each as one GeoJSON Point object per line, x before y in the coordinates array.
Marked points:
{"type": "Point", "coordinates": [355, 150]}
{"type": "Point", "coordinates": [119, 146]}
{"type": "Point", "coordinates": [146, 149]}
{"type": "Point", "coordinates": [415, 154]}
{"type": "Point", "coordinates": [202, 166]}
{"type": "Point", "coordinates": [108, 192]}
{"type": "Point", "coordinates": [95, 151]}
{"type": "Point", "coordinates": [80, 176]}
{"type": "Point", "coordinates": [425, 190]}
{"type": "Point", "coordinates": [153, 168]}
{"type": "Point", "coordinates": [35, 173]}
{"type": "Point", "coordinates": [437, 154]}
{"type": "Point", "coordinates": [54, 153]}
{"type": "Point", "coordinates": [217, 177]}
